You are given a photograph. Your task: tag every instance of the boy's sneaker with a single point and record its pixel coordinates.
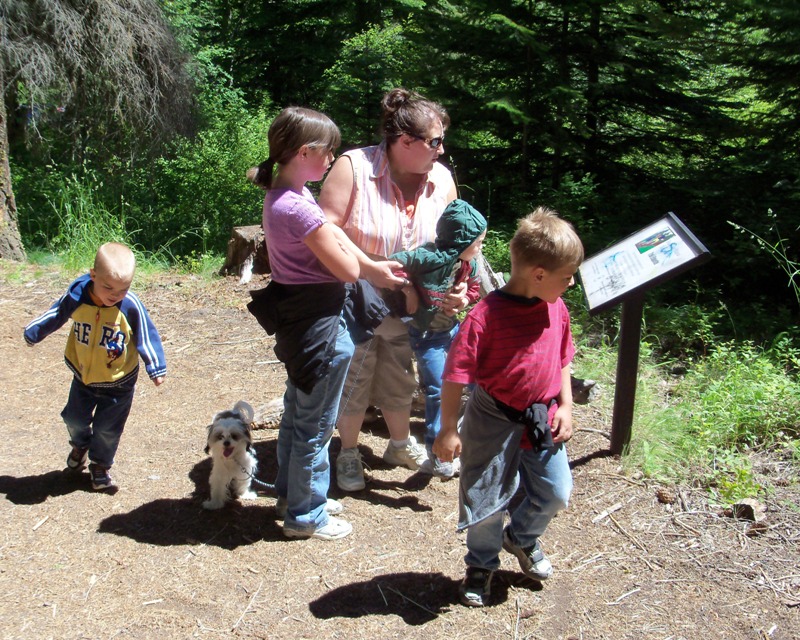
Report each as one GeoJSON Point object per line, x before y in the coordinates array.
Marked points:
{"type": "Point", "coordinates": [76, 460]}
{"type": "Point", "coordinates": [101, 478]}
{"type": "Point", "coordinates": [476, 587]}
{"type": "Point", "coordinates": [332, 506]}
{"type": "Point", "coordinates": [532, 560]}
{"type": "Point", "coordinates": [413, 455]}
{"type": "Point", "coordinates": [334, 529]}
{"type": "Point", "coordinates": [350, 470]}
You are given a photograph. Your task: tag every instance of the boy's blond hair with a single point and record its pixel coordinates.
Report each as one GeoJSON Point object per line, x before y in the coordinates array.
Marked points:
{"type": "Point", "coordinates": [115, 260]}
{"type": "Point", "coordinates": [544, 240]}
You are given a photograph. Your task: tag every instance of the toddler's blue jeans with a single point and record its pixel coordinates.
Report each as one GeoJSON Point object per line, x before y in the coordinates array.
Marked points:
{"type": "Point", "coordinates": [96, 416]}
{"type": "Point", "coordinates": [430, 349]}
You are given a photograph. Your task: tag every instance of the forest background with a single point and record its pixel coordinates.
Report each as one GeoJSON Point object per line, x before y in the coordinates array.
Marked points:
{"type": "Point", "coordinates": [137, 119]}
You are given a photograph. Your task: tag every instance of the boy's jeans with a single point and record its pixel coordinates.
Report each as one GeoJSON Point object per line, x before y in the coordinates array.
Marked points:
{"type": "Point", "coordinates": [305, 433]}
{"type": "Point", "coordinates": [96, 416]}
{"type": "Point", "coordinates": [430, 349]}
{"type": "Point", "coordinates": [547, 481]}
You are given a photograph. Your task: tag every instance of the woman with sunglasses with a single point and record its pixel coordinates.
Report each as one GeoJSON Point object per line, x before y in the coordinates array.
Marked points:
{"type": "Point", "coordinates": [388, 198]}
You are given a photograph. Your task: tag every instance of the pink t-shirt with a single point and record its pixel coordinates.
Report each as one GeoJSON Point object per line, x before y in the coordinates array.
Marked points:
{"type": "Point", "coordinates": [513, 348]}
{"type": "Point", "coordinates": [288, 219]}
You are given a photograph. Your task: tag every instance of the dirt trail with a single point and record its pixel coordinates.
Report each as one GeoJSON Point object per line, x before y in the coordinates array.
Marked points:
{"type": "Point", "coordinates": [149, 562]}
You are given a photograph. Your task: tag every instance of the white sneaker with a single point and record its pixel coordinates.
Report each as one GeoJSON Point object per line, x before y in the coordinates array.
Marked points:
{"type": "Point", "coordinates": [440, 469]}
{"type": "Point", "coordinates": [350, 470]}
{"type": "Point", "coordinates": [411, 456]}
{"type": "Point", "coordinates": [334, 529]}
{"type": "Point", "coordinates": [333, 507]}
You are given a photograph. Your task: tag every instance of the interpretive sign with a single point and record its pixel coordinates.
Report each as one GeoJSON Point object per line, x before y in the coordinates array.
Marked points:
{"type": "Point", "coordinates": [644, 259]}
{"type": "Point", "coordinates": [622, 273]}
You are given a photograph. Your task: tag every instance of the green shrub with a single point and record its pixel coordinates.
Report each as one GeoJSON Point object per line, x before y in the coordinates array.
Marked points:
{"type": "Point", "coordinates": [196, 194]}
{"type": "Point", "coordinates": [701, 427]}
{"type": "Point", "coordinates": [682, 332]}
{"type": "Point", "coordinates": [745, 398]}
{"type": "Point", "coordinates": [495, 249]}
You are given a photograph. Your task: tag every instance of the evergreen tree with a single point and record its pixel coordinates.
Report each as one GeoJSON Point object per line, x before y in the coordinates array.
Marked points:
{"type": "Point", "coordinates": [98, 71]}
{"type": "Point", "coordinates": [566, 93]}
{"type": "Point", "coordinates": [371, 63]}
{"type": "Point", "coordinates": [282, 48]}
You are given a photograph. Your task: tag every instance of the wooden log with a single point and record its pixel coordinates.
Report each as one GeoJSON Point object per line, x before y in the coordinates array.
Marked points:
{"type": "Point", "coordinates": [247, 253]}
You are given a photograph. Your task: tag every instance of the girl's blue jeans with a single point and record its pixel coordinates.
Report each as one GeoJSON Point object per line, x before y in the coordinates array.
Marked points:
{"type": "Point", "coordinates": [305, 433]}
{"type": "Point", "coordinates": [547, 481]}
{"type": "Point", "coordinates": [430, 349]}
{"type": "Point", "coordinates": [96, 416]}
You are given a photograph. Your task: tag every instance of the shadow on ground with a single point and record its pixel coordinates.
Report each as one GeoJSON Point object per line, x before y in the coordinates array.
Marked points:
{"type": "Point", "coordinates": [37, 489]}
{"type": "Point", "coordinates": [168, 522]}
{"type": "Point", "coordinates": [183, 521]}
{"type": "Point", "coordinates": [417, 598]}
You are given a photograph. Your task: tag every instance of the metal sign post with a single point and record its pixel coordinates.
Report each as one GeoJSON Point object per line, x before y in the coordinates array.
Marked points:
{"type": "Point", "coordinates": [623, 273]}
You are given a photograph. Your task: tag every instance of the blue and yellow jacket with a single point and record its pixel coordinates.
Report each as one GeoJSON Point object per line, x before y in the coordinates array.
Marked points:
{"type": "Point", "coordinates": [105, 343]}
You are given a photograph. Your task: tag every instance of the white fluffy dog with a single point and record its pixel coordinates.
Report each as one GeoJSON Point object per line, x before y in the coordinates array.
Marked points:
{"type": "Point", "coordinates": [234, 465]}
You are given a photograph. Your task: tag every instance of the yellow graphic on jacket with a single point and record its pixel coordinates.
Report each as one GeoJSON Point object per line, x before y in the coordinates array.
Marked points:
{"type": "Point", "coordinates": [101, 346]}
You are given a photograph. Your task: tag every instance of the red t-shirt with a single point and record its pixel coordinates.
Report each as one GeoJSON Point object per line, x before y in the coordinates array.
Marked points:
{"type": "Point", "coordinates": [513, 347]}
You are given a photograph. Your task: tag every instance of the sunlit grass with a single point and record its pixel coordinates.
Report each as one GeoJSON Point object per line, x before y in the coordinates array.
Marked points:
{"type": "Point", "coordinates": [702, 426]}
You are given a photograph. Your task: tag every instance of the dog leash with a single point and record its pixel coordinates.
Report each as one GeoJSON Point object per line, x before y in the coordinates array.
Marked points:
{"type": "Point", "coordinates": [254, 479]}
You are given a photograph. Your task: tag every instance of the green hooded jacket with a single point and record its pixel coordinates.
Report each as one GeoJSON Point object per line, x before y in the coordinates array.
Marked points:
{"type": "Point", "coordinates": [435, 268]}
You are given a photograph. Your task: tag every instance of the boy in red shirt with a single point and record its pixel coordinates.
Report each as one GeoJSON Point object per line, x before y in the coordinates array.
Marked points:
{"type": "Point", "coordinates": [515, 347]}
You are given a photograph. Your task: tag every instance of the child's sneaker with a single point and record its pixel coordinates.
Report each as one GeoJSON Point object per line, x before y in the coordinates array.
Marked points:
{"type": "Point", "coordinates": [439, 469]}
{"type": "Point", "coordinates": [350, 470]}
{"type": "Point", "coordinates": [412, 455]}
{"type": "Point", "coordinates": [76, 460]}
{"type": "Point", "coordinates": [101, 478]}
{"type": "Point", "coordinates": [476, 587]}
{"type": "Point", "coordinates": [334, 529]}
{"type": "Point", "coordinates": [532, 560]}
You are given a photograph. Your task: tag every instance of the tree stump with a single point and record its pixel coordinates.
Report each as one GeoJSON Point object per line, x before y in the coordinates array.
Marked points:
{"type": "Point", "coordinates": [490, 279]}
{"type": "Point", "coordinates": [247, 253]}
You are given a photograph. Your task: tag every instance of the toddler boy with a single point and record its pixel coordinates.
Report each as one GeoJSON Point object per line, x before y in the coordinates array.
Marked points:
{"type": "Point", "coordinates": [443, 280]}
{"type": "Point", "coordinates": [110, 330]}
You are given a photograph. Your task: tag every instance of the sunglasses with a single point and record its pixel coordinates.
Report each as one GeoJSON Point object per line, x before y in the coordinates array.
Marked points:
{"type": "Point", "coordinates": [433, 143]}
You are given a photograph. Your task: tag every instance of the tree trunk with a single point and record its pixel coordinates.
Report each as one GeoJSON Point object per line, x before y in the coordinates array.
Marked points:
{"type": "Point", "coordinates": [10, 242]}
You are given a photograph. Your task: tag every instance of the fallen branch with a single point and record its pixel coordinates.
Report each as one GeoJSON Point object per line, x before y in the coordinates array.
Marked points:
{"type": "Point", "coordinates": [404, 597]}
{"type": "Point", "coordinates": [249, 604]}
{"type": "Point", "coordinates": [619, 477]}
{"type": "Point", "coordinates": [385, 601]}
{"type": "Point", "coordinates": [600, 432]}
{"type": "Point", "coordinates": [604, 514]}
{"type": "Point", "coordinates": [627, 535]}
{"type": "Point", "coordinates": [623, 596]}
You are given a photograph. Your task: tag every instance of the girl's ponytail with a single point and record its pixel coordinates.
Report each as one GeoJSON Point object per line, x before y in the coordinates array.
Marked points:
{"type": "Point", "coordinates": [261, 176]}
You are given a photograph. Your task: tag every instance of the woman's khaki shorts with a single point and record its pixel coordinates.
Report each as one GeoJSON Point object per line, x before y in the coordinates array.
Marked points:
{"type": "Point", "coordinates": [381, 372]}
